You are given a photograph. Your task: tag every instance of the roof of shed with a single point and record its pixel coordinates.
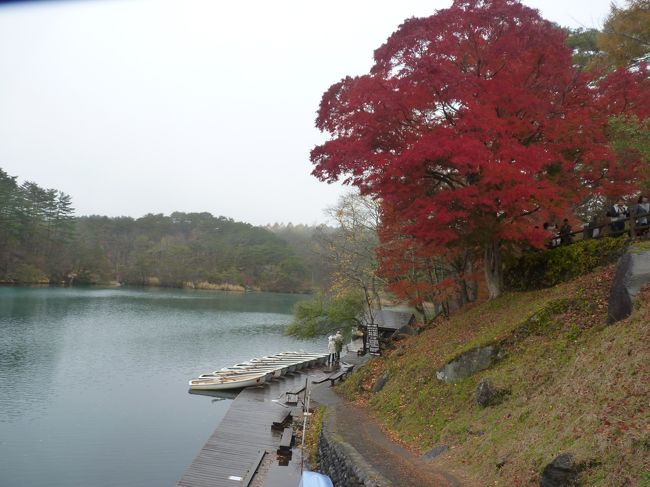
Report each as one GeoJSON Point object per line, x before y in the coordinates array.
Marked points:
{"type": "Point", "coordinates": [390, 319]}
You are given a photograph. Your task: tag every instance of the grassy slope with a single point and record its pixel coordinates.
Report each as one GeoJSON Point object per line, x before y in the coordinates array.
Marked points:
{"type": "Point", "coordinates": [575, 385]}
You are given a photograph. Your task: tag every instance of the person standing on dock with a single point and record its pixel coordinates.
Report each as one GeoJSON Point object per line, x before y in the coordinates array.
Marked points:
{"type": "Point", "coordinates": [338, 343]}
{"type": "Point", "coordinates": [331, 349]}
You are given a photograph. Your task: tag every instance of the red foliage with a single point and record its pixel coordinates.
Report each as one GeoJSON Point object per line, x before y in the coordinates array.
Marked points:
{"type": "Point", "coordinates": [417, 272]}
{"type": "Point", "coordinates": [474, 126]}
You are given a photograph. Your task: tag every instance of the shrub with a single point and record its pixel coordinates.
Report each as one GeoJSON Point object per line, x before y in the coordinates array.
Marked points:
{"type": "Point", "coordinates": [536, 270]}
{"type": "Point", "coordinates": [322, 314]}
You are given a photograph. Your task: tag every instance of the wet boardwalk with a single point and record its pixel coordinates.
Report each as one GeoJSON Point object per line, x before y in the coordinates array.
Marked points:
{"type": "Point", "coordinates": [232, 454]}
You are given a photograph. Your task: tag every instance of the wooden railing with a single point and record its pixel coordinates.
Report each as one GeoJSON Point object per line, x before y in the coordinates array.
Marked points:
{"type": "Point", "coordinates": [631, 228]}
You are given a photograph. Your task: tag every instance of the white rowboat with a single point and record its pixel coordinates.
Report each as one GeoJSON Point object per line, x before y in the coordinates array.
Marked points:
{"type": "Point", "coordinates": [256, 371]}
{"type": "Point", "coordinates": [227, 382]}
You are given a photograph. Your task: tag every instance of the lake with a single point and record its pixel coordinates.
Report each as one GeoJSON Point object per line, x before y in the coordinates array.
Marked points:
{"type": "Point", "coordinates": [93, 382]}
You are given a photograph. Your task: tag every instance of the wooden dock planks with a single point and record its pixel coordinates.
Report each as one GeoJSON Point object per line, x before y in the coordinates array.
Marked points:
{"type": "Point", "coordinates": [238, 444]}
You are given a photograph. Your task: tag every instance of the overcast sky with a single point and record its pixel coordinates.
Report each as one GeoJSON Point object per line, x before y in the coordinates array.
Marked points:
{"type": "Point", "coordinates": [136, 106]}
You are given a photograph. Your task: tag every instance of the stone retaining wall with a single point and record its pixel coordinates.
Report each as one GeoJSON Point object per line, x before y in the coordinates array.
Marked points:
{"type": "Point", "coordinates": [341, 461]}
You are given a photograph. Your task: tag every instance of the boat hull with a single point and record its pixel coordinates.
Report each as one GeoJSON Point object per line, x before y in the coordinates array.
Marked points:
{"type": "Point", "coordinates": [256, 371]}
{"type": "Point", "coordinates": [224, 383]}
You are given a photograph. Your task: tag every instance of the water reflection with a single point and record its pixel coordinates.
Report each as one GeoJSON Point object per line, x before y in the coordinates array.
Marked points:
{"type": "Point", "coordinates": [93, 382]}
{"type": "Point", "coordinates": [217, 395]}
{"type": "Point", "coordinates": [30, 339]}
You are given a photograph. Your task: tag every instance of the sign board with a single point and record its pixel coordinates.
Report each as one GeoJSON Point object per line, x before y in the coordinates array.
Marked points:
{"type": "Point", "coordinates": [373, 338]}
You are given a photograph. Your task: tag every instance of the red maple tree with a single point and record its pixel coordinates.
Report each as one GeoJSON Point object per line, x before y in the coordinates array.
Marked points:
{"type": "Point", "coordinates": [423, 273]}
{"type": "Point", "coordinates": [473, 126]}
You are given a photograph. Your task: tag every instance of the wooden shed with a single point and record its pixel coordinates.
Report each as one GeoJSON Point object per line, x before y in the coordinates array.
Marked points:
{"type": "Point", "coordinates": [390, 321]}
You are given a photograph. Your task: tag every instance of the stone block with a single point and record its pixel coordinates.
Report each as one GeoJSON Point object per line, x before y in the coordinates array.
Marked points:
{"type": "Point", "coordinates": [561, 472]}
{"type": "Point", "coordinates": [632, 273]}
{"type": "Point", "coordinates": [381, 382]}
{"type": "Point", "coordinates": [468, 363]}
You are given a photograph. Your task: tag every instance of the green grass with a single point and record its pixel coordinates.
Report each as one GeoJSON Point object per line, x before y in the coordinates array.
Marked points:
{"type": "Point", "coordinates": [574, 385]}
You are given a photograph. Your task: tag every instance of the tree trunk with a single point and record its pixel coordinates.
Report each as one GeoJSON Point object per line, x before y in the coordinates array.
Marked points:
{"type": "Point", "coordinates": [375, 294]}
{"type": "Point", "coordinates": [493, 269]}
{"type": "Point", "coordinates": [472, 285]}
{"type": "Point", "coordinates": [420, 308]}
{"type": "Point", "coordinates": [369, 306]}
{"type": "Point", "coordinates": [463, 294]}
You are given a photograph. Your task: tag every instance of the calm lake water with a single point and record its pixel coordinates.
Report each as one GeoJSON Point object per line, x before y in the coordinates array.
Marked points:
{"type": "Point", "coordinates": [93, 382]}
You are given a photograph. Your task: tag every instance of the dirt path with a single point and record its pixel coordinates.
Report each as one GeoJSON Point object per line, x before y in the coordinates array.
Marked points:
{"type": "Point", "coordinates": [396, 464]}
{"type": "Point", "coordinates": [392, 461]}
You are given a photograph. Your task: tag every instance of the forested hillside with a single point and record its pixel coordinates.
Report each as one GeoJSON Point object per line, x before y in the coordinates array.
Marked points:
{"type": "Point", "coordinates": [185, 248]}
{"type": "Point", "coordinates": [36, 230]}
{"type": "Point", "coordinates": [41, 241]}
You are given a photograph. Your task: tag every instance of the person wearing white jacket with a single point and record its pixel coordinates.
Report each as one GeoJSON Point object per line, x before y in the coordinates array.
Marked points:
{"type": "Point", "coordinates": [331, 349]}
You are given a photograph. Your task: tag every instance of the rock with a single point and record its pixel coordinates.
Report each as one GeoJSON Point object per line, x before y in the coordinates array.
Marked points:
{"type": "Point", "coordinates": [485, 393]}
{"type": "Point", "coordinates": [502, 462]}
{"type": "Point", "coordinates": [381, 382]}
{"type": "Point", "coordinates": [632, 273]}
{"type": "Point", "coordinates": [561, 472]}
{"type": "Point", "coordinates": [468, 364]}
{"type": "Point", "coordinates": [474, 432]}
{"type": "Point", "coordinates": [433, 453]}
{"type": "Point", "coordinates": [489, 395]}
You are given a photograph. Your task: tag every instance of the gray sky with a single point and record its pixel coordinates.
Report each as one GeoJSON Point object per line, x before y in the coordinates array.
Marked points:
{"type": "Point", "coordinates": [138, 106]}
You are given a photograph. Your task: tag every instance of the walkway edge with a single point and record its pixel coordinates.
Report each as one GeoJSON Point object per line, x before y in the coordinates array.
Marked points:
{"type": "Point", "coordinates": [340, 459]}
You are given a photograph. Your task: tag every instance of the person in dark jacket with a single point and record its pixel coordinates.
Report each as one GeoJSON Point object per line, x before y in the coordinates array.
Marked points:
{"type": "Point", "coordinates": [554, 237]}
{"type": "Point", "coordinates": [642, 212]}
{"type": "Point", "coordinates": [338, 343]}
{"type": "Point", "coordinates": [565, 233]}
{"type": "Point", "coordinates": [617, 215]}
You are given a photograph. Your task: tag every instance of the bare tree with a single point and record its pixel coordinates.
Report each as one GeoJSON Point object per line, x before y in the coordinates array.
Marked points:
{"type": "Point", "coordinates": [350, 249]}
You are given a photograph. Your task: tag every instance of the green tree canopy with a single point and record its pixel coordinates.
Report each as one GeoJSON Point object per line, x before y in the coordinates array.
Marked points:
{"type": "Point", "coordinates": [322, 314]}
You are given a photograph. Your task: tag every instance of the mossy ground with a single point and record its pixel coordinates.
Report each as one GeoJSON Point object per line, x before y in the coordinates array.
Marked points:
{"type": "Point", "coordinates": [574, 385]}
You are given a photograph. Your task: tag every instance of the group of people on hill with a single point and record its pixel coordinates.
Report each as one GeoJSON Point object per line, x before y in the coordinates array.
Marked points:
{"type": "Point", "coordinates": [618, 213]}
{"type": "Point", "coordinates": [561, 236]}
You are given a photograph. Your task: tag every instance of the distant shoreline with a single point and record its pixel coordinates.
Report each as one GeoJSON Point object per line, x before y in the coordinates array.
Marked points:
{"type": "Point", "coordinates": [224, 288]}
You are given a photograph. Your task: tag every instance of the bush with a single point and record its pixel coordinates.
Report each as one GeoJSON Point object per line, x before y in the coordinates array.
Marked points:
{"type": "Point", "coordinates": [322, 314]}
{"type": "Point", "coordinates": [536, 270]}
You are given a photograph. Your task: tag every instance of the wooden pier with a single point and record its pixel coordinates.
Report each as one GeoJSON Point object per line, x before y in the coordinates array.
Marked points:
{"type": "Point", "coordinates": [233, 453]}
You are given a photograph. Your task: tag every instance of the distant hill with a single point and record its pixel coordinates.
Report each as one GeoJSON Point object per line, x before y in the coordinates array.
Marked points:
{"type": "Point", "coordinates": [186, 249]}
{"type": "Point", "coordinates": [42, 241]}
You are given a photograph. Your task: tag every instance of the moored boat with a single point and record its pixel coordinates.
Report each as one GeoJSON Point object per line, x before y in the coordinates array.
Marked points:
{"type": "Point", "coordinates": [302, 360]}
{"type": "Point", "coordinates": [256, 371]}
{"type": "Point", "coordinates": [268, 374]}
{"type": "Point", "coordinates": [238, 381]}
{"type": "Point", "coordinates": [277, 370]}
